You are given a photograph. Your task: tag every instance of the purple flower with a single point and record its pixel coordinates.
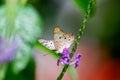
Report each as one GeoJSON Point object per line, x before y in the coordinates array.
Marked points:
{"type": "Point", "coordinates": [65, 52]}
{"type": "Point", "coordinates": [76, 60]}
{"type": "Point", "coordinates": [7, 50]}
{"type": "Point", "coordinates": [65, 59]}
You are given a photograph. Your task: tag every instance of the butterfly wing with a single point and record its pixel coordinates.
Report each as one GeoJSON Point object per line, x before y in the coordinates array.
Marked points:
{"type": "Point", "coordinates": [47, 43]}
{"type": "Point", "coordinates": [68, 40]}
{"type": "Point", "coordinates": [58, 39]}
{"type": "Point", "coordinates": [62, 40]}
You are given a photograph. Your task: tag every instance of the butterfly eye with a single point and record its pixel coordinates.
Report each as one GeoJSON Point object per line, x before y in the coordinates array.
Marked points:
{"type": "Point", "coordinates": [65, 38]}
{"type": "Point", "coordinates": [59, 37]}
{"type": "Point", "coordinates": [50, 43]}
{"type": "Point", "coordinates": [68, 39]}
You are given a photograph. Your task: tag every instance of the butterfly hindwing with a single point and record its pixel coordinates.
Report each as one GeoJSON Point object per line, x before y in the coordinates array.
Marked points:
{"type": "Point", "coordinates": [48, 43]}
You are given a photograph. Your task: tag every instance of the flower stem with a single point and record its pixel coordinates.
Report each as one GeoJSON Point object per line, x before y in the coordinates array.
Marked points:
{"type": "Point", "coordinates": [80, 33]}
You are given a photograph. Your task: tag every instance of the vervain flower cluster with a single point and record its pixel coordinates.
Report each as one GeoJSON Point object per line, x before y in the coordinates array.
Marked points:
{"type": "Point", "coordinates": [65, 59]}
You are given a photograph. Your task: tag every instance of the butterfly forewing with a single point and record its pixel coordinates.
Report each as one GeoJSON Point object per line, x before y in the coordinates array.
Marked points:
{"type": "Point", "coordinates": [62, 40]}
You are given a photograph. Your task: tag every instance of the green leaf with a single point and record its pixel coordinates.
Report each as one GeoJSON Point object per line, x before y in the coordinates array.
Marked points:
{"type": "Point", "coordinates": [26, 31]}
{"type": "Point", "coordinates": [3, 68]}
{"type": "Point", "coordinates": [43, 48]}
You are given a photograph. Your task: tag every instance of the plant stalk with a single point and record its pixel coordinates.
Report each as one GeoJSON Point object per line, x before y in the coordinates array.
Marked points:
{"type": "Point", "coordinates": [80, 33]}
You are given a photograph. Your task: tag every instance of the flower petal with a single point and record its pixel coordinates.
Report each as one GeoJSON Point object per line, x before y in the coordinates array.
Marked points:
{"type": "Point", "coordinates": [65, 59]}
{"type": "Point", "coordinates": [65, 52]}
{"type": "Point", "coordinates": [76, 60]}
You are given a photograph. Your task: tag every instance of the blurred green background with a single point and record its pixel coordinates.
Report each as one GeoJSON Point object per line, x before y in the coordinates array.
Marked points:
{"type": "Point", "coordinates": [102, 34]}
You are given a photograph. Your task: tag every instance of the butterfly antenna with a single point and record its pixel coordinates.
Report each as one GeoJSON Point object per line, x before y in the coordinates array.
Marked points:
{"type": "Point", "coordinates": [45, 54]}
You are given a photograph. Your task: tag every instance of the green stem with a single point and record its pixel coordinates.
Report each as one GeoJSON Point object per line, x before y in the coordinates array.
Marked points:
{"type": "Point", "coordinates": [80, 33]}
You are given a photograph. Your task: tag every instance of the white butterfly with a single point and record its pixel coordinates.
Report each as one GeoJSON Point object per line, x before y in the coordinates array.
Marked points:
{"type": "Point", "coordinates": [61, 40]}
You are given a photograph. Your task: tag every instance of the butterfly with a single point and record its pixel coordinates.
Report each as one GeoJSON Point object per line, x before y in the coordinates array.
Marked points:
{"type": "Point", "coordinates": [60, 41]}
